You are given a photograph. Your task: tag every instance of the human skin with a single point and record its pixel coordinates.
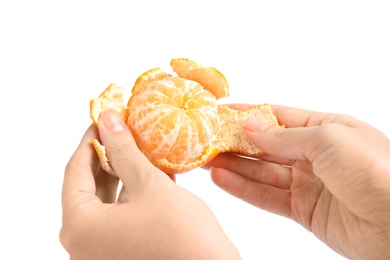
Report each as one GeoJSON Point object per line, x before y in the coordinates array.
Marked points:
{"type": "Point", "coordinates": [328, 172]}
{"type": "Point", "coordinates": [152, 218]}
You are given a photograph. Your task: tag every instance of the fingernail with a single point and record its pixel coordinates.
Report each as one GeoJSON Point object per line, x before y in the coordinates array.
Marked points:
{"type": "Point", "coordinates": [254, 124]}
{"type": "Point", "coordinates": [112, 121]}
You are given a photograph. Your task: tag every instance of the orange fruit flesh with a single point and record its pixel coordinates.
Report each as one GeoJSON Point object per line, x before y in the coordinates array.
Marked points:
{"type": "Point", "coordinates": [173, 119]}
{"type": "Point", "coordinates": [176, 122]}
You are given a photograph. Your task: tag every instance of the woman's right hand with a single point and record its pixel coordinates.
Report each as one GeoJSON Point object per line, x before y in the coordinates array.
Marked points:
{"type": "Point", "coordinates": [328, 172]}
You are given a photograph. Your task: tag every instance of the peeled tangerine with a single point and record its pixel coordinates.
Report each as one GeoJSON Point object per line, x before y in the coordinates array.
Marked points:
{"type": "Point", "coordinates": [176, 121]}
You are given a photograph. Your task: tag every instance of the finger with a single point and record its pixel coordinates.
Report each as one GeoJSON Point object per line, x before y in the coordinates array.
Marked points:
{"type": "Point", "coordinates": [256, 170]}
{"type": "Point", "coordinates": [267, 158]}
{"type": "Point", "coordinates": [300, 143]}
{"type": "Point", "coordinates": [290, 143]}
{"type": "Point", "coordinates": [122, 197]}
{"type": "Point", "coordinates": [295, 117]}
{"type": "Point", "coordinates": [79, 173]}
{"type": "Point", "coordinates": [258, 194]}
{"type": "Point", "coordinates": [129, 163]}
{"type": "Point", "coordinates": [106, 186]}
{"type": "Point", "coordinates": [275, 159]}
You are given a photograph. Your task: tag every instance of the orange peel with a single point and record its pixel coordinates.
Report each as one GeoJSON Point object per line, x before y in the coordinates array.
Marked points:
{"type": "Point", "coordinates": [176, 121]}
{"type": "Point", "coordinates": [210, 78]}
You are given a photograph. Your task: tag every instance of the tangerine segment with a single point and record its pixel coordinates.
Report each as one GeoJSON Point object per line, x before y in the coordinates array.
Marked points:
{"type": "Point", "coordinates": [166, 118]}
{"type": "Point", "coordinates": [210, 78]}
{"type": "Point", "coordinates": [148, 77]}
{"type": "Point", "coordinates": [171, 168]}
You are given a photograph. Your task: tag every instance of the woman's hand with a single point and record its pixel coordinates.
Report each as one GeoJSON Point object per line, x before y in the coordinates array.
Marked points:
{"type": "Point", "coordinates": [152, 218]}
{"type": "Point", "coordinates": [330, 173]}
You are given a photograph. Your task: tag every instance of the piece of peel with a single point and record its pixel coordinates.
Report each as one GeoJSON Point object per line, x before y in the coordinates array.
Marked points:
{"type": "Point", "coordinates": [231, 137]}
{"type": "Point", "coordinates": [210, 78]}
{"type": "Point", "coordinates": [101, 152]}
{"type": "Point", "coordinates": [110, 98]}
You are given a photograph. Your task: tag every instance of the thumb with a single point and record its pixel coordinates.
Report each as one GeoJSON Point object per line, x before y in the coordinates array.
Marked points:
{"type": "Point", "coordinates": [128, 162]}
{"type": "Point", "coordinates": [289, 143]}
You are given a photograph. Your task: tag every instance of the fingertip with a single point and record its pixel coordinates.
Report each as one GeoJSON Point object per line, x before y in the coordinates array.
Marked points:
{"type": "Point", "coordinates": [253, 128]}
{"type": "Point", "coordinates": [225, 179]}
{"type": "Point", "coordinates": [210, 171]}
{"type": "Point", "coordinates": [111, 120]}
{"type": "Point", "coordinates": [215, 175]}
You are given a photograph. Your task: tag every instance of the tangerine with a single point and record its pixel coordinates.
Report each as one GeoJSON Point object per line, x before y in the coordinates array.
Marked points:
{"type": "Point", "coordinates": [176, 121]}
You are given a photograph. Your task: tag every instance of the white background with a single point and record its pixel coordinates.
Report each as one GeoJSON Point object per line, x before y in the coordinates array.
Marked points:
{"type": "Point", "coordinates": [57, 55]}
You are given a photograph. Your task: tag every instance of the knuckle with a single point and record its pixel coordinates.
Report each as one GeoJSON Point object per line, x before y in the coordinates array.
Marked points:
{"type": "Point", "coordinates": [327, 136]}
{"type": "Point", "coordinates": [121, 150]}
{"type": "Point", "coordinates": [263, 199]}
{"type": "Point", "coordinates": [257, 172]}
{"type": "Point", "coordinates": [278, 134]}
{"type": "Point", "coordinates": [331, 132]}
